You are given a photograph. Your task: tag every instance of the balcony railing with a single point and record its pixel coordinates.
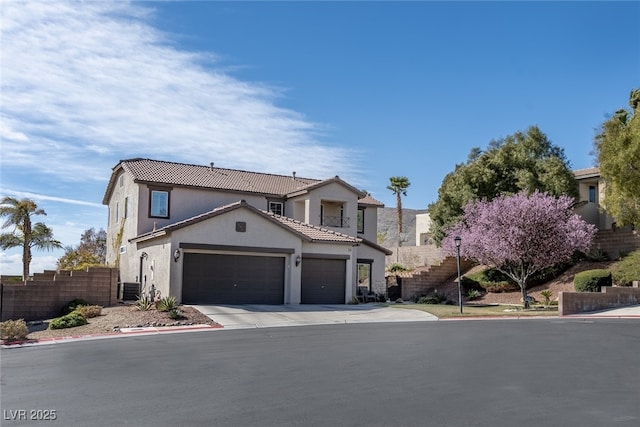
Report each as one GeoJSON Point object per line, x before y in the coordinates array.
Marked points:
{"type": "Point", "coordinates": [335, 221]}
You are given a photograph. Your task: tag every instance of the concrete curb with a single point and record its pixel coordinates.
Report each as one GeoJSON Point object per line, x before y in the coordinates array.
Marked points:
{"type": "Point", "coordinates": [123, 332]}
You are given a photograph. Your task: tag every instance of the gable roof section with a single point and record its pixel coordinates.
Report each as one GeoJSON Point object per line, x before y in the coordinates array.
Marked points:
{"type": "Point", "coordinates": [307, 232]}
{"type": "Point", "coordinates": [586, 173]}
{"type": "Point", "coordinates": [377, 246]}
{"type": "Point", "coordinates": [198, 176]}
{"type": "Point", "coordinates": [370, 201]}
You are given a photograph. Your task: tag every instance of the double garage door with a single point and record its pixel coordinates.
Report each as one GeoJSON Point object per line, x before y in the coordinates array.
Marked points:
{"type": "Point", "coordinates": [232, 279]}
{"type": "Point", "coordinates": [247, 279]}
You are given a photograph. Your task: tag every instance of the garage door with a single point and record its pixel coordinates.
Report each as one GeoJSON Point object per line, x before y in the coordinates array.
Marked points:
{"type": "Point", "coordinates": [232, 279]}
{"type": "Point", "coordinates": [323, 281]}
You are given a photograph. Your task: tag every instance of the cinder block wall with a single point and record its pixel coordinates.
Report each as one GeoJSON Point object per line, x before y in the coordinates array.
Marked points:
{"type": "Point", "coordinates": [415, 256]}
{"type": "Point", "coordinates": [615, 242]}
{"type": "Point", "coordinates": [49, 292]}
{"type": "Point", "coordinates": [425, 280]}
{"type": "Point", "coordinates": [610, 297]}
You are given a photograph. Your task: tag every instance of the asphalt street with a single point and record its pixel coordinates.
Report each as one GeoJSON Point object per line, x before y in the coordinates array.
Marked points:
{"type": "Point", "coordinates": [534, 372]}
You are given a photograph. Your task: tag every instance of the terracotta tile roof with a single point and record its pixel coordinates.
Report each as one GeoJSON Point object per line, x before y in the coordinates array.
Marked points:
{"type": "Point", "coordinates": [200, 176]}
{"type": "Point", "coordinates": [370, 201]}
{"type": "Point", "coordinates": [312, 232]}
{"type": "Point", "coordinates": [306, 231]}
{"type": "Point", "coordinates": [586, 173]}
{"type": "Point", "coordinates": [156, 171]}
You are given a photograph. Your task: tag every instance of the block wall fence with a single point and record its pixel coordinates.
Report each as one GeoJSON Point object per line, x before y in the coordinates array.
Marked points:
{"type": "Point", "coordinates": [616, 242]}
{"type": "Point", "coordinates": [609, 297]}
{"type": "Point", "coordinates": [48, 292]}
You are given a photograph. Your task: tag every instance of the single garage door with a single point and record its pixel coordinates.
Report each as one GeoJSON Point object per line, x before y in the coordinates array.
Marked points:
{"type": "Point", "coordinates": [323, 281]}
{"type": "Point", "coordinates": [232, 279]}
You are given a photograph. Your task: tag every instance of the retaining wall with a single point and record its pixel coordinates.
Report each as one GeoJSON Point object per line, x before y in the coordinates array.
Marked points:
{"type": "Point", "coordinates": [616, 242]}
{"type": "Point", "coordinates": [48, 292]}
{"type": "Point", "coordinates": [610, 297]}
{"type": "Point", "coordinates": [426, 280]}
{"type": "Point", "coordinates": [415, 256]}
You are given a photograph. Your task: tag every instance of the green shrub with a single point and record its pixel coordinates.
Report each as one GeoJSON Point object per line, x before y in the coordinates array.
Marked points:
{"type": "Point", "coordinates": [12, 330]}
{"type": "Point", "coordinates": [72, 305]}
{"type": "Point", "coordinates": [489, 280]}
{"type": "Point", "coordinates": [175, 314]}
{"type": "Point", "coordinates": [592, 280]}
{"type": "Point", "coordinates": [434, 298]}
{"type": "Point", "coordinates": [167, 304]}
{"type": "Point", "coordinates": [144, 303]}
{"type": "Point", "coordinates": [396, 268]}
{"type": "Point", "coordinates": [499, 287]}
{"type": "Point", "coordinates": [473, 294]}
{"type": "Point", "coordinates": [71, 320]}
{"type": "Point", "coordinates": [470, 282]}
{"type": "Point", "coordinates": [89, 311]}
{"type": "Point", "coordinates": [627, 270]}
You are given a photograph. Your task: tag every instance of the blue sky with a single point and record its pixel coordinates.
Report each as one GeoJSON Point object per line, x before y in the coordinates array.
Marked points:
{"type": "Point", "coordinates": [363, 90]}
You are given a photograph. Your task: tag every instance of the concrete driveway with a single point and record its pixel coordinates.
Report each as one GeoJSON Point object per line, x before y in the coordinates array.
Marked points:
{"type": "Point", "coordinates": [270, 316]}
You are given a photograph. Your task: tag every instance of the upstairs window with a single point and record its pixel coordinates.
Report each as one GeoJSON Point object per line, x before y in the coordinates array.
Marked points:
{"type": "Point", "coordinates": [276, 208]}
{"type": "Point", "coordinates": [592, 194]}
{"type": "Point", "coordinates": [159, 204]}
{"type": "Point", "coordinates": [360, 220]}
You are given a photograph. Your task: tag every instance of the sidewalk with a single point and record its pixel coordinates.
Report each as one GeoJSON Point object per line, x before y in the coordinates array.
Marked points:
{"type": "Point", "coordinates": [632, 311]}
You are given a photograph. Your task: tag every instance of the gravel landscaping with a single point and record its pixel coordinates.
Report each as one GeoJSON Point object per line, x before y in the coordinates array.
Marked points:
{"type": "Point", "coordinates": [119, 316]}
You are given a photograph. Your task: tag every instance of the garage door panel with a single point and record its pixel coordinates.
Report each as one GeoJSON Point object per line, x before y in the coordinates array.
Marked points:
{"type": "Point", "coordinates": [232, 279]}
{"type": "Point", "coordinates": [323, 281]}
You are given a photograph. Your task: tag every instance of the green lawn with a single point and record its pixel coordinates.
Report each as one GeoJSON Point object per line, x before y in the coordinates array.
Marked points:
{"type": "Point", "coordinates": [449, 311]}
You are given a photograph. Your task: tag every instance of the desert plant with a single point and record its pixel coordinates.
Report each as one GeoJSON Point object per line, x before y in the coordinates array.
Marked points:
{"type": "Point", "coordinates": [144, 303]}
{"type": "Point", "coordinates": [473, 294]}
{"type": "Point", "coordinates": [70, 320]}
{"type": "Point", "coordinates": [592, 280]}
{"type": "Point", "coordinates": [72, 305]}
{"type": "Point", "coordinates": [167, 303]}
{"type": "Point", "coordinates": [396, 268]}
{"type": "Point", "coordinates": [12, 330]}
{"type": "Point", "coordinates": [89, 311]}
{"type": "Point", "coordinates": [174, 314]}
{"type": "Point", "coordinates": [354, 300]}
{"type": "Point", "coordinates": [547, 296]}
{"type": "Point", "coordinates": [597, 256]}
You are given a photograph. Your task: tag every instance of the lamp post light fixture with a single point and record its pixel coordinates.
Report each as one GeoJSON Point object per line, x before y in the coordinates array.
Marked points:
{"type": "Point", "coordinates": [457, 240]}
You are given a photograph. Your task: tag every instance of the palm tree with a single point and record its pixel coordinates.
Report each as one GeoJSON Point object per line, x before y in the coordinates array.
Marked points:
{"type": "Point", "coordinates": [25, 234]}
{"type": "Point", "coordinates": [399, 185]}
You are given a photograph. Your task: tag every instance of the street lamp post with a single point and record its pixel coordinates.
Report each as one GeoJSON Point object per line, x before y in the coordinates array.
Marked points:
{"type": "Point", "coordinates": [457, 240]}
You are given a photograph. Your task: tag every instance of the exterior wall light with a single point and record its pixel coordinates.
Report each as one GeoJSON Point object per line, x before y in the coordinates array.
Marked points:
{"type": "Point", "coordinates": [176, 255]}
{"type": "Point", "coordinates": [298, 260]}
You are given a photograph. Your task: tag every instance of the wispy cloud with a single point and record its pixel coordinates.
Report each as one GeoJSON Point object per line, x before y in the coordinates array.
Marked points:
{"type": "Point", "coordinates": [37, 197]}
{"type": "Point", "coordinates": [87, 84]}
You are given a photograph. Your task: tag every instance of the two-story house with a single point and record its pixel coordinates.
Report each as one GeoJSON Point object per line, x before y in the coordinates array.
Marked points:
{"type": "Point", "coordinates": [209, 235]}
{"type": "Point", "coordinates": [591, 194]}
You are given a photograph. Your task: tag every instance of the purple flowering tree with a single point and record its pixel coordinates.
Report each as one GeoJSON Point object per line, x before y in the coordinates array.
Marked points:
{"type": "Point", "coordinates": [521, 234]}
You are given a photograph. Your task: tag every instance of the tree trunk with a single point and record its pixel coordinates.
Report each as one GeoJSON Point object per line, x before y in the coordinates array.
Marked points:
{"type": "Point", "coordinates": [26, 260]}
{"type": "Point", "coordinates": [26, 247]}
{"type": "Point", "coordinates": [525, 298]}
{"type": "Point", "coordinates": [399, 207]}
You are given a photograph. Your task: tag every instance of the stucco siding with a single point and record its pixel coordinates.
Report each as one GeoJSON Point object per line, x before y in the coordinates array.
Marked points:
{"type": "Point", "coordinates": [188, 202]}
{"type": "Point", "coordinates": [378, 283]}
{"type": "Point", "coordinates": [260, 233]}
